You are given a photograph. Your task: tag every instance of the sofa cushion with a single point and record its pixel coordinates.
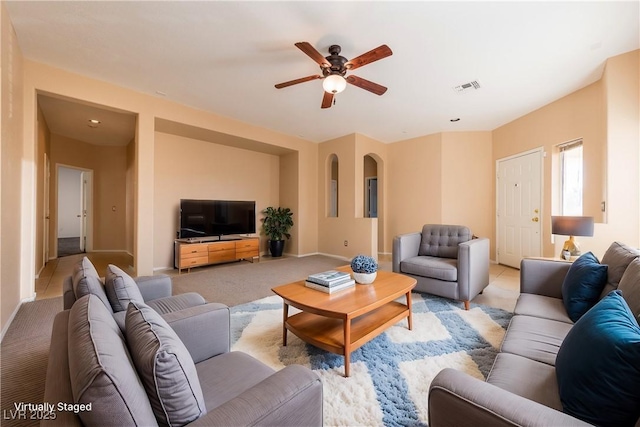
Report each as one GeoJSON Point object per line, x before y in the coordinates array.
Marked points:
{"type": "Point", "coordinates": [527, 378]}
{"type": "Point", "coordinates": [85, 281]}
{"type": "Point", "coordinates": [542, 306]}
{"type": "Point", "coordinates": [535, 338]}
{"type": "Point", "coordinates": [101, 370]}
{"type": "Point", "coordinates": [442, 240]}
{"type": "Point", "coordinates": [630, 287]}
{"type": "Point", "coordinates": [176, 302]}
{"type": "Point", "coordinates": [582, 285]}
{"type": "Point", "coordinates": [617, 257]}
{"type": "Point", "coordinates": [121, 289]}
{"type": "Point", "coordinates": [228, 375]}
{"type": "Point", "coordinates": [598, 365]}
{"type": "Point", "coordinates": [165, 366]}
{"type": "Point", "coordinates": [437, 268]}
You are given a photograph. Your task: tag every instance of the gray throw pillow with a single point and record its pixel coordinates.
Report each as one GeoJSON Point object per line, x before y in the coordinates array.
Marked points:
{"type": "Point", "coordinates": [165, 366]}
{"type": "Point", "coordinates": [101, 371]}
{"type": "Point", "coordinates": [86, 281]}
{"type": "Point", "coordinates": [630, 287]}
{"type": "Point", "coordinates": [617, 257]}
{"type": "Point", "coordinates": [121, 289]}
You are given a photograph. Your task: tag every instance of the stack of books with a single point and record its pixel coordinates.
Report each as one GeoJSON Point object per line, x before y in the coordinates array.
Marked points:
{"type": "Point", "coordinates": [330, 281]}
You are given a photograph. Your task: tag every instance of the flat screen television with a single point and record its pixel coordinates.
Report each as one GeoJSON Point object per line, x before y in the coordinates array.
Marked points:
{"type": "Point", "coordinates": [210, 218]}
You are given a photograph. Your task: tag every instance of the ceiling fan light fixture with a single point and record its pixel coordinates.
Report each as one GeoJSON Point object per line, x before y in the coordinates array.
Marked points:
{"type": "Point", "coordinates": [334, 83]}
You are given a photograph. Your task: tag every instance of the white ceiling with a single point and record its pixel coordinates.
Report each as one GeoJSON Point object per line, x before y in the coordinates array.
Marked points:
{"type": "Point", "coordinates": [225, 57]}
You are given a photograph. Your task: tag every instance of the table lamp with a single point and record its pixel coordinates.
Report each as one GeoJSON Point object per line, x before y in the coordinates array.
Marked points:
{"type": "Point", "coordinates": [571, 226]}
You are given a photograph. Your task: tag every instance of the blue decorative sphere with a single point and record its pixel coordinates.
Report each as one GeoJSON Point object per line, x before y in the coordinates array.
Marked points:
{"type": "Point", "coordinates": [364, 264]}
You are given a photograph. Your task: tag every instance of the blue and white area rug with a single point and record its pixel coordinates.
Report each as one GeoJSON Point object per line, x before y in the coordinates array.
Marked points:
{"type": "Point", "coordinates": [391, 374]}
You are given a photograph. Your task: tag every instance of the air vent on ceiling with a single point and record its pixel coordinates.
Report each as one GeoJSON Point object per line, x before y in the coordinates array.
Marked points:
{"type": "Point", "coordinates": [467, 87]}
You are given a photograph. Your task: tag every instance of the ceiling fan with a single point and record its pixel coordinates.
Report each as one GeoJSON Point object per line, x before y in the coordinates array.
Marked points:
{"type": "Point", "coordinates": [334, 68]}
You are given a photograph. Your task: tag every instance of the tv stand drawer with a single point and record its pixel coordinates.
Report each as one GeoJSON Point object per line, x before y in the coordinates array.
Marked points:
{"type": "Point", "coordinates": [188, 255]}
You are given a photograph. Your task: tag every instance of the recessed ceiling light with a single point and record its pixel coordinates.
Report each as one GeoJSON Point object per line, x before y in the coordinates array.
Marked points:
{"type": "Point", "coordinates": [457, 119]}
{"type": "Point", "coordinates": [159, 92]}
{"type": "Point", "coordinates": [94, 121]}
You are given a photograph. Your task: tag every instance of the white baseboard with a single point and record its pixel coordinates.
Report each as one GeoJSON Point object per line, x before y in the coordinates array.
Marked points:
{"type": "Point", "coordinates": [120, 251]}
{"type": "Point", "coordinates": [162, 268]}
{"type": "Point", "coordinates": [13, 315]}
{"type": "Point", "coordinates": [343, 258]}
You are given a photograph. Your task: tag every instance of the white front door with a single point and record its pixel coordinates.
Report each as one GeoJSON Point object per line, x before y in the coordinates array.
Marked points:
{"type": "Point", "coordinates": [519, 201]}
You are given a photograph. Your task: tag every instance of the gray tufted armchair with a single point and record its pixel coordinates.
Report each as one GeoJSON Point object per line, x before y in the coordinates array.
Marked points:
{"type": "Point", "coordinates": [445, 260]}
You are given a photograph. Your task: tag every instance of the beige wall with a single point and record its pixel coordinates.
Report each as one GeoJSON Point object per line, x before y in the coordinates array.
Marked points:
{"type": "Point", "coordinates": [415, 185]}
{"type": "Point", "coordinates": [361, 234]}
{"type": "Point", "coordinates": [621, 87]}
{"type": "Point", "coordinates": [289, 196]}
{"type": "Point", "coordinates": [109, 166]}
{"type": "Point", "coordinates": [578, 115]}
{"type": "Point", "coordinates": [192, 169]}
{"type": "Point", "coordinates": [467, 179]}
{"type": "Point", "coordinates": [444, 178]}
{"type": "Point", "coordinates": [13, 283]}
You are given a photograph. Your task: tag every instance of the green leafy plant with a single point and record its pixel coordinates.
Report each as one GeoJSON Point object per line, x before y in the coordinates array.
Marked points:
{"type": "Point", "coordinates": [277, 222]}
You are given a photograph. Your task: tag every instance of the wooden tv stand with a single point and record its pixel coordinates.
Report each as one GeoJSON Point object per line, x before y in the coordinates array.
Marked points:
{"type": "Point", "coordinates": [196, 253]}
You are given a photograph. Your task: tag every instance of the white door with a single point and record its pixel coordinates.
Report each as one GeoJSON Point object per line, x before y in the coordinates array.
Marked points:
{"type": "Point", "coordinates": [519, 201]}
{"type": "Point", "coordinates": [86, 241]}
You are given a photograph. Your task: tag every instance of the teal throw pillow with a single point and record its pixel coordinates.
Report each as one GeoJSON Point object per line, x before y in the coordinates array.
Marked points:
{"type": "Point", "coordinates": [583, 285]}
{"type": "Point", "coordinates": [598, 365]}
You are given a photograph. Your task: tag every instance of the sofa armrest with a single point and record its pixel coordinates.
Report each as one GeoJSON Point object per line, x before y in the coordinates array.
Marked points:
{"type": "Point", "coordinates": [290, 397]}
{"type": "Point", "coordinates": [68, 296]}
{"type": "Point", "coordinates": [458, 399]}
{"type": "Point", "coordinates": [542, 276]}
{"type": "Point", "coordinates": [473, 267]}
{"type": "Point", "coordinates": [204, 329]}
{"type": "Point", "coordinates": [154, 287]}
{"type": "Point", "coordinates": [404, 246]}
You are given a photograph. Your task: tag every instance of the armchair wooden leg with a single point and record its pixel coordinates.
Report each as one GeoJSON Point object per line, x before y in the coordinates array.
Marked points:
{"type": "Point", "coordinates": [466, 305]}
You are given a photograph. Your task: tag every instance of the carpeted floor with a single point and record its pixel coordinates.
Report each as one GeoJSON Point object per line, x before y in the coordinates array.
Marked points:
{"type": "Point", "coordinates": [390, 375]}
{"type": "Point", "coordinates": [238, 283]}
{"type": "Point", "coordinates": [68, 246]}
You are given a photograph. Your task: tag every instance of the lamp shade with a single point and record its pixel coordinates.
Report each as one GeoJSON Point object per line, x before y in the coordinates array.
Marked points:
{"type": "Point", "coordinates": [334, 83]}
{"type": "Point", "coordinates": [572, 225]}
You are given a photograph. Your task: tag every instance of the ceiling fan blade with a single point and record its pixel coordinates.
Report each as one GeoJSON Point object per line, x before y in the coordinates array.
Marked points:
{"type": "Point", "coordinates": [296, 81]}
{"type": "Point", "coordinates": [366, 85]}
{"type": "Point", "coordinates": [313, 54]}
{"type": "Point", "coordinates": [327, 100]}
{"type": "Point", "coordinates": [367, 58]}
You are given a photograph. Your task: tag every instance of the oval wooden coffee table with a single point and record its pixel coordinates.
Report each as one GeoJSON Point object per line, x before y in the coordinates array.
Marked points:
{"type": "Point", "coordinates": [344, 321]}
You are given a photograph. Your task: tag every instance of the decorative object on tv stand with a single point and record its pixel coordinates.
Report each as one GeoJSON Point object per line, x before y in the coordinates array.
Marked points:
{"type": "Point", "coordinates": [276, 225]}
{"type": "Point", "coordinates": [571, 226]}
{"type": "Point", "coordinates": [365, 269]}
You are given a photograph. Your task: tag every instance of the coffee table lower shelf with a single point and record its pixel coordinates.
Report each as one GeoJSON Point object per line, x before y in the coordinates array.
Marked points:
{"type": "Point", "coordinates": [331, 334]}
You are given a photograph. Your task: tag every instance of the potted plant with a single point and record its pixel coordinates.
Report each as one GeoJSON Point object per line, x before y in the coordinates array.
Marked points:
{"type": "Point", "coordinates": [365, 269]}
{"type": "Point", "coordinates": [276, 225]}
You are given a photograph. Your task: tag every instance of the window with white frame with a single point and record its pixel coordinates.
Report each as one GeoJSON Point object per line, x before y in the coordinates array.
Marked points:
{"type": "Point", "coordinates": [571, 177]}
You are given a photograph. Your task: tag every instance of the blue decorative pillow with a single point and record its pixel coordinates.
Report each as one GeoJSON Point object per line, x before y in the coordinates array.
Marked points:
{"type": "Point", "coordinates": [598, 365]}
{"type": "Point", "coordinates": [583, 285]}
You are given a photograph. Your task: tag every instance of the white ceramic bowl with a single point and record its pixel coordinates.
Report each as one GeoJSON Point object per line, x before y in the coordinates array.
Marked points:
{"type": "Point", "coordinates": [365, 278]}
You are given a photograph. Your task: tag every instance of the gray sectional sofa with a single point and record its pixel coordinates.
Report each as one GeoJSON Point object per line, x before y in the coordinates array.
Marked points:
{"type": "Point", "coordinates": [163, 361]}
{"type": "Point", "coordinates": [522, 387]}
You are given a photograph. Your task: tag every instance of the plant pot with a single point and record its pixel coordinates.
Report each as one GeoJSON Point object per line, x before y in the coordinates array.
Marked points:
{"type": "Point", "coordinates": [276, 247]}
{"type": "Point", "coordinates": [365, 278]}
